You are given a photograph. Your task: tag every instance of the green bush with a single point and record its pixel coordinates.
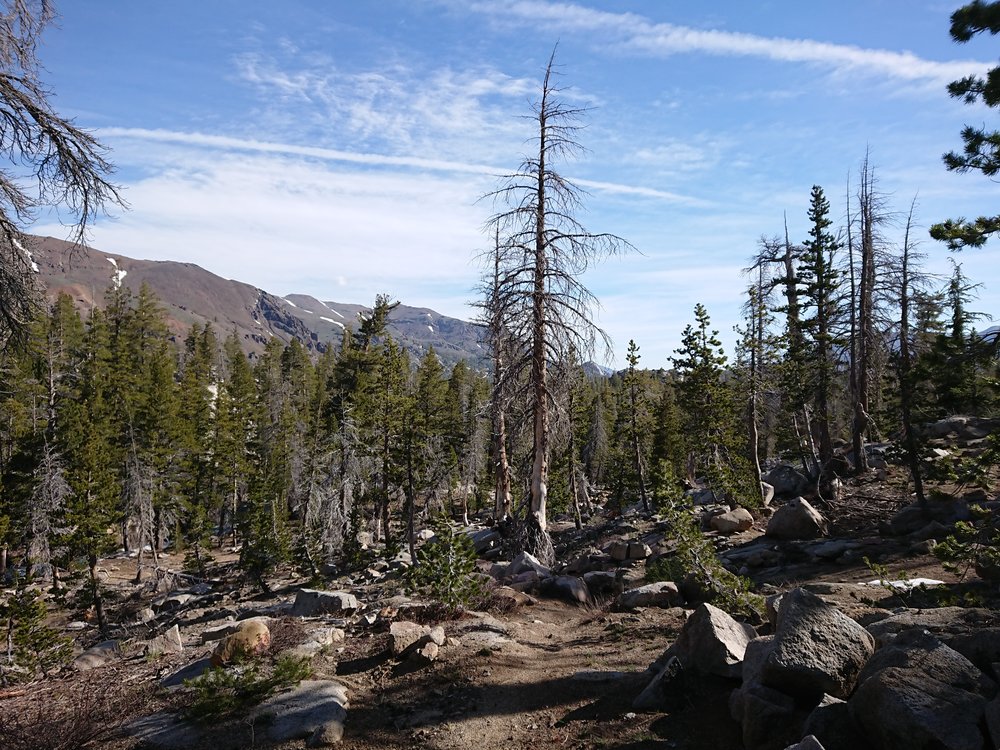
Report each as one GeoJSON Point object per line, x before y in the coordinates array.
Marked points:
{"type": "Point", "coordinates": [974, 546]}
{"type": "Point", "coordinates": [445, 567]}
{"type": "Point", "coordinates": [227, 693]}
{"type": "Point", "coordinates": [697, 562]}
{"type": "Point", "coordinates": [32, 646]}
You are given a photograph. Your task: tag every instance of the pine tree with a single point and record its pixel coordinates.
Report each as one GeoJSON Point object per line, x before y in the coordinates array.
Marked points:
{"type": "Point", "coordinates": [821, 306]}
{"type": "Point", "coordinates": [85, 437]}
{"type": "Point", "coordinates": [708, 411]}
{"type": "Point", "coordinates": [199, 483]}
{"type": "Point", "coordinates": [235, 434]}
{"type": "Point", "coordinates": [981, 152]}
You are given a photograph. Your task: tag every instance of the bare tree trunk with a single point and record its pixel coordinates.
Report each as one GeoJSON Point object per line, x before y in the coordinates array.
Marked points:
{"type": "Point", "coordinates": [571, 462]}
{"type": "Point", "coordinates": [865, 317]}
{"type": "Point", "coordinates": [95, 592]}
{"type": "Point", "coordinates": [906, 390]}
{"type": "Point", "coordinates": [539, 330]}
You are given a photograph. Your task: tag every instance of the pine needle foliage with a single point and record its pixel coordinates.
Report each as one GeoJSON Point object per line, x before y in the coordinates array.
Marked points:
{"type": "Point", "coordinates": [446, 566]}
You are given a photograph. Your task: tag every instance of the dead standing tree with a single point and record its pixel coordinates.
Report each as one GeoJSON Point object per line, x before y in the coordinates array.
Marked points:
{"type": "Point", "coordinates": [543, 253]}
{"type": "Point", "coordinates": [52, 163]}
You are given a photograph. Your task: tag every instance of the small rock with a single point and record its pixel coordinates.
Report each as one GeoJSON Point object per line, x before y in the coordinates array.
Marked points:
{"type": "Point", "coordinates": [618, 551]}
{"type": "Point", "coordinates": [638, 551]}
{"type": "Point", "coordinates": [663, 594]}
{"type": "Point", "coordinates": [97, 656]}
{"type": "Point", "coordinates": [424, 655]}
{"type": "Point", "coordinates": [168, 643]}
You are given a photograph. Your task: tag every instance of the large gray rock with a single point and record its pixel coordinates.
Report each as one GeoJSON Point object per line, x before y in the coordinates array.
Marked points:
{"type": "Point", "coordinates": [663, 594]}
{"type": "Point", "coordinates": [732, 521]}
{"type": "Point", "coordinates": [403, 634]}
{"type": "Point", "coordinates": [710, 643]}
{"type": "Point", "coordinates": [831, 723]}
{"type": "Point", "coordinates": [166, 643]}
{"type": "Point", "coordinates": [163, 730]}
{"type": "Point", "coordinates": [817, 649]}
{"type": "Point", "coordinates": [571, 589]}
{"type": "Point", "coordinates": [484, 540]}
{"type": "Point", "coordinates": [753, 662]}
{"type": "Point", "coordinates": [193, 671]}
{"type": "Point", "coordinates": [904, 709]}
{"type": "Point", "coordinates": [525, 562]}
{"type": "Point", "coordinates": [993, 721]}
{"type": "Point", "coordinates": [981, 647]}
{"type": "Point", "coordinates": [313, 603]}
{"type": "Point", "coordinates": [770, 719]}
{"type": "Point", "coordinates": [314, 711]}
{"type": "Point", "coordinates": [796, 519]}
{"type": "Point", "coordinates": [919, 651]}
{"type": "Point", "coordinates": [786, 481]}
{"type": "Point", "coordinates": [944, 622]}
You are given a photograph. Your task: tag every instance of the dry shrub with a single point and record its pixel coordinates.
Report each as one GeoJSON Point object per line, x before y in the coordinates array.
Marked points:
{"type": "Point", "coordinates": [286, 633]}
{"type": "Point", "coordinates": [81, 711]}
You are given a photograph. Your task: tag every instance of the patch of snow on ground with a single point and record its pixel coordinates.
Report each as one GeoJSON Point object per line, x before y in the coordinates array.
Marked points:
{"type": "Point", "coordinates": [906, 584]}
{"type": "Point", "coordinates": [288, 301]}
{"type": "Point", "coordinates": [430, 328]}
{"type": "Point", "coordinates": [330, 320]}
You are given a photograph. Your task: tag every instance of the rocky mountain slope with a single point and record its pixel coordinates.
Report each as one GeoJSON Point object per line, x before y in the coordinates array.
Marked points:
{"type": "Point", "coordinates": [191, 295]}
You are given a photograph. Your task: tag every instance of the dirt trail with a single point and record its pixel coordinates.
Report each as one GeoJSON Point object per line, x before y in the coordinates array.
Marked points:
{"type": "Point", "coordinates": [564, 676]}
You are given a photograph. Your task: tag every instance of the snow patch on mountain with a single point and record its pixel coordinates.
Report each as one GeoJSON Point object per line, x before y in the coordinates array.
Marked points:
{"type": "Point", "coordinates": [27, 254]}
{"type": "Point", "coordinates": [119, 273]}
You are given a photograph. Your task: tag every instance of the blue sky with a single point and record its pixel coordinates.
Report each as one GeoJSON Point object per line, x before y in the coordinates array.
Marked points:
{"type": "Point", "coordinates": [339, 148]}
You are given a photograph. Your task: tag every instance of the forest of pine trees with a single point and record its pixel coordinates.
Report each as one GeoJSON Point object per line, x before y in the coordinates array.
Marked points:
{"type": "Point", "coordinates": [115, 437]}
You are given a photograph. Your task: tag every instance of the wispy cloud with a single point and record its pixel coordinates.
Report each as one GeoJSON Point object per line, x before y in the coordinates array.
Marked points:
{"type": "Point", "coordinates": [639, 35]}
{"type": "Point", "coordinates": [229, 143]}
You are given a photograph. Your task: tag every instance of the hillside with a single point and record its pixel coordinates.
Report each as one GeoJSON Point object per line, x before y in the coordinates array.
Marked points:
{"type": "Point", "coordinates": [192, 295]}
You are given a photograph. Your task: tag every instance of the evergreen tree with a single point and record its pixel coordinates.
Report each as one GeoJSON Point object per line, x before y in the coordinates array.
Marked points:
{"type": "Point", "coordinates": [708, 411]}
{"type": "Point", "coordinates": [199, 483]}
{"type": "Point", "coordinates": [821, 307]}
{"type": "Point", "coordinates": [85, 437]}
{"type": "Point", "coordinates": [981, 152]}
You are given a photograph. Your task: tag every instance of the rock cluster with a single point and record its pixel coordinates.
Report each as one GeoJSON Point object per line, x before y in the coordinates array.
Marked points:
{"type": "Point", "coordinates": [821, 680]}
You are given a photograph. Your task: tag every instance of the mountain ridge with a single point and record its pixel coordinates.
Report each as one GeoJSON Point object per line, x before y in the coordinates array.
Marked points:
{"type": "Point", "coordinates": [190, 294]}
